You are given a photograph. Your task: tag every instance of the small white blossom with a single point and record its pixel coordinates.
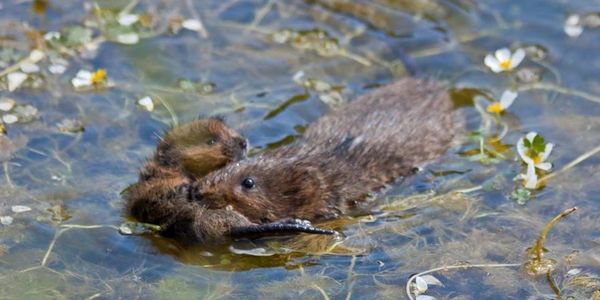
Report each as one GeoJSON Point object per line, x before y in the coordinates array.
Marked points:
{"type": "Point", "coordinates": [506, 100]}
{"type": "Point", "coordinates": [504, 60]}
{"type": "Point", "coordinates": [147, 103]}
{"type": "Point", "coordinates": [192, 24]}
{"type": "Point", "coordinates": [15, 79]}
{"type": "Point", "coordinates": [52, 35]}
{"type": "Point", "coordinates": [36, 55]}
{"type": "Point", "coordinates": [57, 68]}
{"type": "Point", "coordinates": [28, 67]}
{"type": "Point", "coordinates": [20, 208]}
{"type": "Point", "coordinates": [82, 79]}
{"type": "Point", "coordinates": [9, 119]}
{"type": "Point", "coordinates": [538, 161]}
{"type": "Point", "coordinates": [6, 104]}
{"type": "Point", "coordinates": [128, 38]}
{"type": "Point", "coordinates": [6, 220]}
{"type": "Point", "coordinates": [573, 26]}
{"type": "Point", "coordinates": [127, 19]}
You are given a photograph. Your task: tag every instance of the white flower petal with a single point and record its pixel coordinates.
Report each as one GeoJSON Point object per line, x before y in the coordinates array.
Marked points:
{"type": "Point", "coordinates": [424, 297]}
{"type": "Point", "coordinates": [6, 220]}
{"type": "Point", "coordinates": [502, 54]}
{"type": "Point", "coordinates": [546, 166]}
{"type": "Point", "coordinates": [78, 82]}
{"type": "Point", "coordinates": [57, 69]}
{"type": "Point", "coordinates": [10, 119]}
{"type": "Point", "coordinates": [127, 19]}
{"type": "Point", "coordinates": [28, 67]}
{"type": "Point", "coordinates": [6, 104]}
{"type": "Point", "coordinates": [547, 150]}
{"type": "Point", "coordinates": [531, 177]}
{"type": "Point", "coordinates": [531, 135]}
{"type": "Point", "coordinates": [523, 152]}
{"type": "Point", "coordinates": [192, 24]}
{"type": "Point", "coordinates": [51, 35]}
{"type": "Point", "coordinates": [20, 208]}
{"type": "Point", "coordinates": [432, 280]}
{"type": "Point", "coordinates": [147, 103]}
{"type": "Point", "coordinates": [492, 63]}
{"type": "Point", "coordinates": [15, 79]}
{"type": "Point", "coordinates": [84, 74]}
{"type": "Point", "coordinates": [420, 285]}
{"type": "Point", "coordinates": [573, 31]}
{"type": "Point", "coordinates": [507, 98]}
{"type": "Point", "coordinates": [128, 38]}
{"type": "Point", "coordinates": [36, 55]}
{"type": "Point", "coordinates": [517, 58]}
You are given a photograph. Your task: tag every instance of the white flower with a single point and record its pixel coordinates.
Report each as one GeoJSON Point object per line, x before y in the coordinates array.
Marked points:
{"type": "Point", "coordinates": [28, 67]}
{"type": "Point", "coordinates": [506, 100]}
{"type": "Point", "coordinates": [147, 103]}
{"type": "Point", "coordinates": [127, 19]}
{"type": "Point", "coordinates": [573, 27]}
{"type": "Point", "coordinates": [36, 55]}
{"type": "Point", "coordinates": [20, 208]}
{"type": "Point", "coordinates": [533, 159]}
{"type": "Point", "coordinates": [15, 79]}
{"type": "Point", "coordinates": [6, 104]}
{"type": "Point", "coordinates": [86, 78]}
{"type": "Point", "coordinates": [9, 119]}
{"type": "Point", "coordinates": [57, 68]}
{"type": "Point", "coordinates": [128, 38]}
{"type": "Point", "coordinates": [192, 24]}
{"type": "Point", "coordinates": [52, 35]}
{"type": "Point", "coordinates": [503, 60]}
{"type": "Point", "coordinates": [6, 220]}
{"type": "Point", "coordinates": [82, 79]}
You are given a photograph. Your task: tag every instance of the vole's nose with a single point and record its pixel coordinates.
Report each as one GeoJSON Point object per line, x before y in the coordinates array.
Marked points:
{"type": "Point", "coordinates": [243, 144]}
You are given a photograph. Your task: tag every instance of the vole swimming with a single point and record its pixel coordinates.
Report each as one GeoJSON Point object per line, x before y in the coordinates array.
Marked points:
{"type": "Point", "coordinates": [183, 154]}
{"type": "Point", "coordinates": [342, 159]}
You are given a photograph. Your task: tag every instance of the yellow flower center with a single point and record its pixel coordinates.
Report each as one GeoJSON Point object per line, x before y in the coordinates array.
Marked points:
{"type": "Point", "coordinates": [99, 76]}
{"type": "Point", "coordinates": [505, 64]}
{"type": "Point", "coordinates": [495, 108]}
{"type": "Point", "coordinates": [537, 159]}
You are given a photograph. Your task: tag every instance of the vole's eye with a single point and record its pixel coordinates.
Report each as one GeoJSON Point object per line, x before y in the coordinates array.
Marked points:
{"type": "Point", "coordinates": [248, 183]}
{"type": "Point", "coordinates": [211, 141]}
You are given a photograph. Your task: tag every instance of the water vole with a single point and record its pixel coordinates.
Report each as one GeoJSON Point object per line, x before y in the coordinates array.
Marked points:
{"type": "Point", "coordinates": [339, 163]}
{"type": "Point", "coordinates": [183, 154]}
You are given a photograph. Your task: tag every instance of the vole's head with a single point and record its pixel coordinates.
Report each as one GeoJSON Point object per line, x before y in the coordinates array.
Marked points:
{"type": "Point", "coordinates": [264, 190]}
{"type": "Point", "coordinates": [201, 146]}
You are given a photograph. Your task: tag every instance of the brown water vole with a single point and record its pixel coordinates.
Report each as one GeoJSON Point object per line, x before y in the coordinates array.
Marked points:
{"type": "Point", "coordinates": [183, 154]}
{"type": "Point", "coordinates": [343, 158]}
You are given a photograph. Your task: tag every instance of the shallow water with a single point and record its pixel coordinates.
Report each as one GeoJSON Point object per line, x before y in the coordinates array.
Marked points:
{"type": "Point", "coordinates": [243, 67]}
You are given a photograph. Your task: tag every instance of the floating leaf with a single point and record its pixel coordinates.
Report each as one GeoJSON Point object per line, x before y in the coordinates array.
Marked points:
{"type": "Point", "coordinates": [521, 195]}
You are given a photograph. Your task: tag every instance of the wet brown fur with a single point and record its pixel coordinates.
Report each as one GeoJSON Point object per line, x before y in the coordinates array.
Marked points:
{"type": "Point", "coordinates": [184, 154]}
{"type": "Point", "coordinates": [342, 159]}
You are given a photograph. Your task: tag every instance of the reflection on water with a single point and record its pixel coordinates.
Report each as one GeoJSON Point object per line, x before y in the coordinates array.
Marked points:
{"type": "Point", "coordinates": [271, 68]}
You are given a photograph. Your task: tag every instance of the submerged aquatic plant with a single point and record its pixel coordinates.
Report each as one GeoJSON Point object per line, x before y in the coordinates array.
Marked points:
{"type": "Point", "coordinates": [537, 264]}
{"type": "Point", "coordinates": [534, 151]}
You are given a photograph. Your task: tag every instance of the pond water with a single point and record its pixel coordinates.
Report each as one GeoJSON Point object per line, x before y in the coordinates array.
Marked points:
{"type": "Point", "coordinates": [271, 68]}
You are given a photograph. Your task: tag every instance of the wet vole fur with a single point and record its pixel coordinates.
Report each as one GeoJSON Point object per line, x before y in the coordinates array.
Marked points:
{"type": "Point", "coordinates": [337, 166]}
{"type": "Point", "coordinates": [183, 154]}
